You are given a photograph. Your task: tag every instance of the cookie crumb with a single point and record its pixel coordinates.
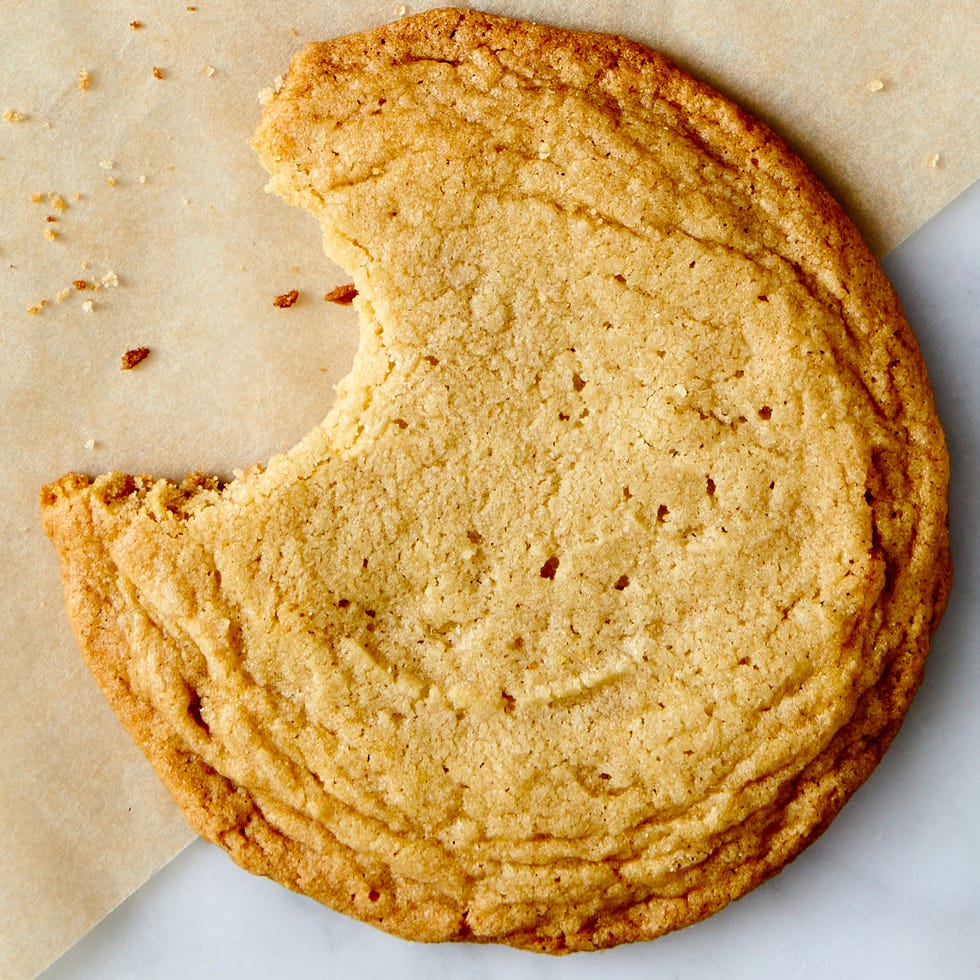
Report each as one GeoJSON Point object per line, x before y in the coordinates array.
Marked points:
{"type": "Point", "coordinates": [90, 444]}
{"type": "Point", "coordinates": [933, 161]}
{"type": "Point", "coordinates": [63, 295]}
{"type": "Point", "coordinates": [55, 201]}
{"type": "Point", "coordinates": [341, 294]}
{"type": "Point", "coordinates": [875, 84]}
{"type": "Point", "coordinates": [88, 306]}
{"type": "Point", "coordinates": [13, 116]}
{"type": "Point", "coordinates": [285, 300]}
{"type": "Point", "coordinates": [110, 280]}
{"type": "Point", "coordinates": [209, 70]}
{"type": "Point", "coordinates": [37, 307]}
{"type": "Point", "coordinates": [110, 182]}
{"type": "Point", "coordinates": [157, 72]}
{"type": "Point", "coordinates": [135, 25]}
{"type": "Point", "coordinates": [133, 357]}
{"type": "Point", "coordinates": [51, 234]}
{"type": "Point", "coordinates": [80, 284]}
{"type": "Point", "coordinates": [84, 79]}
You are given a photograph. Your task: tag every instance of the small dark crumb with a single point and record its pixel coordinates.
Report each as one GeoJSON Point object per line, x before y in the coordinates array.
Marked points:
{"type": "Point", "coordinates": [604, 775]}
{"type": "Point", "coordinates": [622, 582]}
{"type": "Point", "coordinates": [765, 413]}
{"type": "Point", "coordinates": [133, 357]}
{"type": "Point", "coordinates": [135, 25]}
{"type": "Point", "coordinates": [549, 568]}
{"type": "Point", "coordinates": [157, 72]}
{"type": "Point", "coordinates": [79, 284]}
{"type": "Point", "coordinates": [285, 300]}
{"type": "Point", "coordinates": [342, 294]}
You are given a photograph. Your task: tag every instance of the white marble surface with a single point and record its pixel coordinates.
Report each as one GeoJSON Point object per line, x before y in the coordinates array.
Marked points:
{"type": "Point", "coordinates": [891, 890]}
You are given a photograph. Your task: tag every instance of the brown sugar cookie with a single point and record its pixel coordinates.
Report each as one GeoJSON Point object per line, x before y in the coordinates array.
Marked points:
{"type": "Point", "coordinates": [610, 573]}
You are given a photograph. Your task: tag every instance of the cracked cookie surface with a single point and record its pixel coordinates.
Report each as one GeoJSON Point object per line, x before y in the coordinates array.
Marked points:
{"type": "Point", "coordinates": [612, 570]}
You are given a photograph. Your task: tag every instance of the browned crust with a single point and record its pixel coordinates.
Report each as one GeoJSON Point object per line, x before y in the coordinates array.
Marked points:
{"type": "Point", "coordinates": [633, 76]}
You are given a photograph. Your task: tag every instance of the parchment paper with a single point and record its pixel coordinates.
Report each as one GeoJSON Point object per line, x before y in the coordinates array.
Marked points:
{"type": "Point", "coordinates": [140, 184]}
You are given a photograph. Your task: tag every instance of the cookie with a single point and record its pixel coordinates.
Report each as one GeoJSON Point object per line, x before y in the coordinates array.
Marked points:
{"type": "Point", "coordinates": [611, 572]}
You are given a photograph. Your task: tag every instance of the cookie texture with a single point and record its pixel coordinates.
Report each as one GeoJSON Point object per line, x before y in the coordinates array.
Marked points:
{"type": "Point", "coordinates": [611, 571]}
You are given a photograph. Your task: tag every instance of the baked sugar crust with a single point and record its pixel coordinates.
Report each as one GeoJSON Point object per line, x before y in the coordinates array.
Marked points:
{"type": "Point", "coordinates": [612, 571]}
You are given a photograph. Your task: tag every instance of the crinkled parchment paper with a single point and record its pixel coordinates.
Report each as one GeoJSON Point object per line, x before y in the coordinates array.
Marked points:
{"type": "Point", "coordinates": [125, 169]}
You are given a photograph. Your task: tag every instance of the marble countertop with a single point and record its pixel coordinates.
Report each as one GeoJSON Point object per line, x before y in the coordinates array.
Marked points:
{"type": "Point", "coordinates": [892, 889]}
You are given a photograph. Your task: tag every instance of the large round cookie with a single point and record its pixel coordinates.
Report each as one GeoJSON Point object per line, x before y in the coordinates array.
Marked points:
{"type": "Point", "coordinates": [610, 574]}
